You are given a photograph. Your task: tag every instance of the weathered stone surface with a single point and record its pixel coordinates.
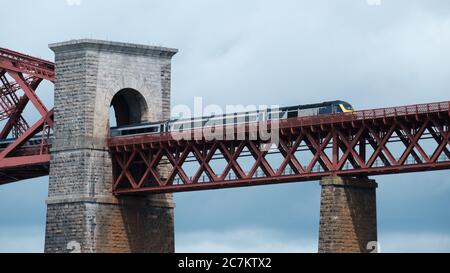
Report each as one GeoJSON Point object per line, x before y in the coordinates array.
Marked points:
{"type": "Point", "coordinates": [81, 206]}
{"type": "Point", "coordinates": [348, 221]}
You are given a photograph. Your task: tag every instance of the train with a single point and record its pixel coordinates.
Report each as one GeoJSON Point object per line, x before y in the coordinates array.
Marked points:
{"type": "Point", "coordinates": [317, 109]}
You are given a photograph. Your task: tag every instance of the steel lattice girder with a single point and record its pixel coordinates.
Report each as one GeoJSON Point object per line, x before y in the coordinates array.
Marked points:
{"type": "Point", "coordinates": [22, 159]}
{"type": "Point", "coordinates": [358, 144]}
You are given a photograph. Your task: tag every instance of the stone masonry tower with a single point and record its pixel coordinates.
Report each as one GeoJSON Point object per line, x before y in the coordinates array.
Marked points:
{"type": "Point", "coordinates": [348, 215]}
{"type": "Point", "coordinates": [82, 213]}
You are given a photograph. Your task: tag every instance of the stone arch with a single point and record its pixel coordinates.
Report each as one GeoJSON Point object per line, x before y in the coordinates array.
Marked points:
{"type": "Point", "coordinates": [129, 106]}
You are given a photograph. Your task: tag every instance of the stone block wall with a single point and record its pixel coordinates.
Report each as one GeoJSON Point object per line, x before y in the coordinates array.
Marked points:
{"type": "Point", "coordinates": [348, 221]}
{"type": "Point", "coordinates": [81, 207]}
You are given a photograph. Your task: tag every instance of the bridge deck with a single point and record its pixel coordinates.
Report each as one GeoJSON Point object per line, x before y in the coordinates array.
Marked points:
{"type": "Point", "coordinates": [20, 76]}
{"type": "Point", "coordinates": [370, 142]}
{"type": "Point", "coordinates": [358, 144]}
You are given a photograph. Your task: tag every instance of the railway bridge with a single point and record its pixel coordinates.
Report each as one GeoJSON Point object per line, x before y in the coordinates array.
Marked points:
{"type": "Point", "coordinates": [114, 194]}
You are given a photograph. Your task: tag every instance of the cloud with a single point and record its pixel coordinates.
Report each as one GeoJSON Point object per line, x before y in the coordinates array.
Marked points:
{"type": "Point", "coordinates": [374, 2]}
{"type": "Point", "coordinates": [22, 239]}
{"type": "Point", "coordinates": [23, 203]}
{"type": "Point", "coordinates": [259, 240]}
{"type": "Point", "coordinates": [302, 51]}
{"type": "Point", "coordinates": [415, 242]}
{"type": "Point", "coordinates": [73, 2]}
{"type": "Point", "coordinates": [243, 240]}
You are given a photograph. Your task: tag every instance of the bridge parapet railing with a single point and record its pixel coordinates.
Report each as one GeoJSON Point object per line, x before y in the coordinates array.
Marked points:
{"type": "Point", "coordinates": [379, 113]}
{"type": "Point", "coordinates": [403, 110]}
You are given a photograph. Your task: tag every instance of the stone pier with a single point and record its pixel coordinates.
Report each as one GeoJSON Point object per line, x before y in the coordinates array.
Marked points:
{"type": "Point", "coordinates": [348, 218]}
{"type": "Point", "coordinates": [83, 215]}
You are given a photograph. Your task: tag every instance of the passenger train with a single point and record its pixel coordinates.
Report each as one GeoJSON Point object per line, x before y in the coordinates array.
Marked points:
{"type": "Point", "coordinates": [318, 109]}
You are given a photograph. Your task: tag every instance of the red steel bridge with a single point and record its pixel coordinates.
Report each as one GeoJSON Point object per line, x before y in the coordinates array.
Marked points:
{"type": "Point", "coordinates": [25, 146]}
{"type": "Point", "coordinates": [403, 139]}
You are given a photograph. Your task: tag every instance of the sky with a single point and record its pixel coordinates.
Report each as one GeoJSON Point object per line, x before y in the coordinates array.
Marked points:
{"type": "Point", "coordinates": [368, 52]}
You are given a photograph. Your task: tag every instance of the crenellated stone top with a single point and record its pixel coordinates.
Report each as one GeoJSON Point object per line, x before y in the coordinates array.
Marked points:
{"type": "Point", "coordinates": [119, 47]}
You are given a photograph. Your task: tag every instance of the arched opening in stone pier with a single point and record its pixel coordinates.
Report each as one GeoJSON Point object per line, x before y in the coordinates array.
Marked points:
{"type": "Point", "coordinates": [128, 106]}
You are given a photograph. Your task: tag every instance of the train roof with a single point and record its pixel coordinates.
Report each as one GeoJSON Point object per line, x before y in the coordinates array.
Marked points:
{"type": "Point", "coordinates": [313, 105]}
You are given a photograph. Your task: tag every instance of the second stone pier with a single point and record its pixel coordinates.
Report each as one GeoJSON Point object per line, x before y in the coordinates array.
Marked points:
{"type": "Point", "coordinates": [348, 218]}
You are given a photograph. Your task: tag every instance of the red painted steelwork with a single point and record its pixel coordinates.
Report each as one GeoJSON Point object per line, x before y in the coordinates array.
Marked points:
{"type": "Point", "coordinates": [359, 144]}
{"type": "Point", "coordinates": [20, 77]}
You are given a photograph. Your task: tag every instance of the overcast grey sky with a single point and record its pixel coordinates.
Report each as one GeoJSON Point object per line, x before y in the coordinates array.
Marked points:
{"type": "Point", "coordinates": [262, 52]}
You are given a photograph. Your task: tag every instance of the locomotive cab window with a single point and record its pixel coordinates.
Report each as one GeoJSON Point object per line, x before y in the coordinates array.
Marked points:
{"type": "Point", "coordinates": [343, 107]}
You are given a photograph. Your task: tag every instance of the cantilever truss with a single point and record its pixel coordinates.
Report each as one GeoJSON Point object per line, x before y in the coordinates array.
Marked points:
{"type": "Point", "coordinates": [24, 147]}
{"type": "Point", "coordinates": [371, 142]}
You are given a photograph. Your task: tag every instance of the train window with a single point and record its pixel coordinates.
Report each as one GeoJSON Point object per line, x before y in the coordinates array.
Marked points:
{"type": "Point", "coordinates": [283, 115]}
{"type": "Point", "coordinates": [177, 126]}
{"type": "Point", "coordinates": [292, 114]}
{"type": "Point", "coordinates": [343, 107]}
{"type": "Point", "coordinates": [152, 129]}
{"type": "Point", "coordinates": [115, 133]}
{"type": "Point", "coordinates": [325, 110]}
{"type": "Point", "coordinates": [230, 119]}
{"type": "Point", "coordinates": [348, 106]}
{"type": "Point", "coordinates": [214, 121]}
{"type": "Point", "coordinates": [240, 119]}
{"type": "Point", "coordinates": [261, 116]}
{"type": "Point", "coordinates": [253, 118]}
{"type": "Point", "coordinates": [197, 124]}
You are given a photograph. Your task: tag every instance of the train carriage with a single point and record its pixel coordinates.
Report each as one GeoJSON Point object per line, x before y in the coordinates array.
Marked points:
{"type": "Point", "coordinates": [318, 109]}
